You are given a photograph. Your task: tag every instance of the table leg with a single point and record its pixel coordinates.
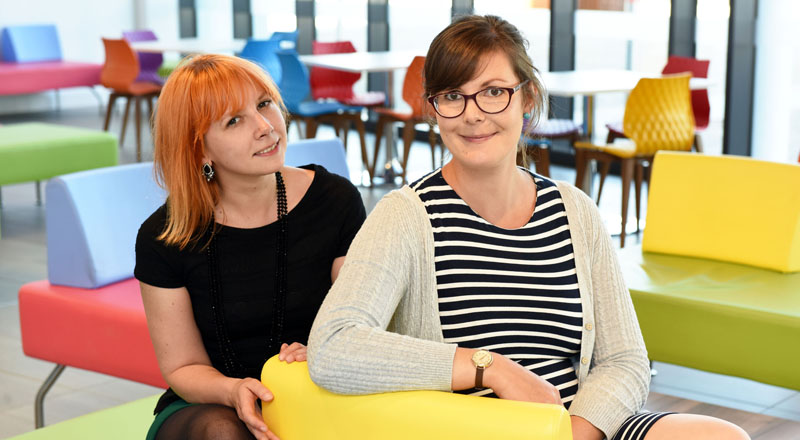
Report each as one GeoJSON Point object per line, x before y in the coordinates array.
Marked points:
{"type": "Point", "coordinates": [390, 167]}
{"type": "Point", "coordinates": [588, 126]}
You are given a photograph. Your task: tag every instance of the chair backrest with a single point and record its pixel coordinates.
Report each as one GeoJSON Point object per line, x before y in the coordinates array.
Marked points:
{"type": "Point", "coordinates": [326, 152]}
{"type": "Point", "coordinates": [92, 221]}
{"type": "Point", "coordinates": [30, 43]}
{"type": "Point", "coordinates": [121, 66]}
{"type": "Point", "coordinates": [658, 115]}
{"type": "Point", "coordinates": [288, 40]}
{"type": "Point", "coordinates": [302, 410]}
{"type": "Point", "coordinates": [699, 69]}
{"type": "Point", "coordinates": [332, 83]}
{"type": "Point", "coordinates": [148, 61]}
{"type": "Point", "coordinates": [294, 84]}
{"type": "Point", "coordinates": [264, 53]}
{"type": "Point", "coordinates": [726, 208]}
{"type": "Point", "coordinates": [413, 92]}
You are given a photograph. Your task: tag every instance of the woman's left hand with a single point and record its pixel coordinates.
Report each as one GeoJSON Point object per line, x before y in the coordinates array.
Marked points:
{"type": "Point", "coordinates": [292, 352]}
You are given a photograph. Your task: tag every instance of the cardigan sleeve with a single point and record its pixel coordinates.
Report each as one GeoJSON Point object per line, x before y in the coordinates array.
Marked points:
{"type": "Point", "coordinates": [617, 383]}
{"type": "Point", "coordinates": [350, 350]}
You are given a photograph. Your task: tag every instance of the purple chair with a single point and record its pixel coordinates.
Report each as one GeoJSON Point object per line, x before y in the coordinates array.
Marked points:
{"type": "Point", "coordinates": [148, 62]}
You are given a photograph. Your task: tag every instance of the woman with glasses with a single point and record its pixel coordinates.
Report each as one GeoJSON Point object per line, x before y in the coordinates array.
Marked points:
{"type": "Point", "coordinates": [484, 278]}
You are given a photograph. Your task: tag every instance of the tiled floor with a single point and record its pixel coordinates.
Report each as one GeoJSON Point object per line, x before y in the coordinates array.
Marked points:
{"type": "Point", "coordinates": [23, 259]}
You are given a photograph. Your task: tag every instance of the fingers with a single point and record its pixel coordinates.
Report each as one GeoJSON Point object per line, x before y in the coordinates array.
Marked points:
{"type": "Point", "coordinates": [247, 411]}
{"type": "Point", "coordinates": [291, 353]}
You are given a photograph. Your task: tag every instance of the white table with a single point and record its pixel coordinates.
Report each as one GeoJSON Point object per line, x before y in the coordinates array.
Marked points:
{"type": "Point", "coordinates": [374, 62]}
{"type": "Point", "coordinates": [190, 46]}
{"type": "Point", "coordinates": [588, 83]}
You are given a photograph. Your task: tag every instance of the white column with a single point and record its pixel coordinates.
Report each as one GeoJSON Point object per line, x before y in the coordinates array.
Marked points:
{"type": "Point", "coordinates": [777, 83]}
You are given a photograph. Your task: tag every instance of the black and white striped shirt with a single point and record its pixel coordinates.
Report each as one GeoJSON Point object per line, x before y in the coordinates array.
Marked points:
{"type": "Point", "coordinates": [511, 291]}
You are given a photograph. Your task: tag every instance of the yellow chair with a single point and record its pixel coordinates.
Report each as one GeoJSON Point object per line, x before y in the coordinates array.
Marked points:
{"type": "Point", "coordinates": [303, 411]}
{"type": "Point", "coordinates": [658, 116]}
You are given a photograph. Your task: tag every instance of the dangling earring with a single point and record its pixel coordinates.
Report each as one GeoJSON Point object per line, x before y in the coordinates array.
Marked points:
{"type": "Point", "coordinates": [208, 171]}
{"type": "Point", "coordinates": [526, 115]}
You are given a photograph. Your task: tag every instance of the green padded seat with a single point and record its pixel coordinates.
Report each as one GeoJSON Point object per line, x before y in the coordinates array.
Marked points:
{"type": "Point", "coordinates": [129, 421]}
{"type": "Point", "coordinates": [37, 151]}
{"type": "Point", "coordinates": [716, 316]}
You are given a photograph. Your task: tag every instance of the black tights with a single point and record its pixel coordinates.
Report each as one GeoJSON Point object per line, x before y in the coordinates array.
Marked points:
{"type": "Point", "coordinates": [204, 422]}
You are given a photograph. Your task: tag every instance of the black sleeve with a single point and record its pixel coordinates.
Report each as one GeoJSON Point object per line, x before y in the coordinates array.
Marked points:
{"type": "Point", "coordinates": [156, 263]}
{"type": "Point", "coordinates": [353, 218]}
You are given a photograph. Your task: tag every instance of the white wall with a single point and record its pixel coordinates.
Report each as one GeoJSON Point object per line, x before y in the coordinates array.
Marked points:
{"type": "Point", "coordinates": [81, 24]}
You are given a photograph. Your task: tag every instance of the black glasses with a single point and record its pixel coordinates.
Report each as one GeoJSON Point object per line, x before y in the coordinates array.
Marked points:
{"type": "Point", "coordinates": [490, 100]}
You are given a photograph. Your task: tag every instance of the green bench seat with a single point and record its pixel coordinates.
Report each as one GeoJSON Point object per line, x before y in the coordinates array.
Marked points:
{"type": "Point", "coordinates": [715, 316]}
{"type": "Point", "coordinates": [36, 151]}
{"type": "Point", "coordinates": [129, 421]}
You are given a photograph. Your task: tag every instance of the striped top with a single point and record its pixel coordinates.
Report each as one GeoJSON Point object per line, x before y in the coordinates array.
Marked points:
{"type": "Point", "coordinates": [511, 291]}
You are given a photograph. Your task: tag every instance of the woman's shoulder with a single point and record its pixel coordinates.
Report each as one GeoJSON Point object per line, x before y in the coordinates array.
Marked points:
{"type": "Point", "coordinates": [331, 187]}
{"type": "Point", "coordinates": [154, 225]}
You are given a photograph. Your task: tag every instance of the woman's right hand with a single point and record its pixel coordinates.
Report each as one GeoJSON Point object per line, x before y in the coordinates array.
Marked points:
{"type": "Point", "coordinates": [510, 380]}
{"type": "Point", "coordinates": [243, 399]}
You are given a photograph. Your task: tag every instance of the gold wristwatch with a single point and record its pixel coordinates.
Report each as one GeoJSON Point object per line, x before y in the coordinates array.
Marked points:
{"type": "Point", "coordinates": [482, 360]}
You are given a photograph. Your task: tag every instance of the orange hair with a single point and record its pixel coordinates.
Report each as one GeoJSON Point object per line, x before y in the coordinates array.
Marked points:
{"type": "Point", "coordinates": [199, 92]}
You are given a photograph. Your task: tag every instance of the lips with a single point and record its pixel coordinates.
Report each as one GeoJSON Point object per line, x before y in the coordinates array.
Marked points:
{"type": "Point", "coordinates": [478, 137]}
{"type": "Point", "coordinates": [268, 150]}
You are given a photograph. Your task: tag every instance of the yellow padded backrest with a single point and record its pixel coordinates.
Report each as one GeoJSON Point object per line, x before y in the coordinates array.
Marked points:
{"type": "Point", "coordinates": [303, 411]}
{"type": "Point", "coordinates": [725, 208]}
{"type": "Point", "coordinates": [658, 115]}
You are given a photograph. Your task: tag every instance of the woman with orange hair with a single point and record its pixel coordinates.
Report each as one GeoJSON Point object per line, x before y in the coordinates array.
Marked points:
{"type": "Point", "coordinates": [234, 266]}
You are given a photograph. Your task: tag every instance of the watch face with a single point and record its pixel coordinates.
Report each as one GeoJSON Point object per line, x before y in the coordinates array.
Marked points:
{"type": "Point", "coordinates": [482, 358]}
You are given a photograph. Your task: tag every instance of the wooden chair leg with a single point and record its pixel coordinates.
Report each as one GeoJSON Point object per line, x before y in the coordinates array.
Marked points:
{"type": "Point", "coordinates": [581, 160]}
{"type": "Point", "coordinates": [125, 120]}
{"type": "Point", "coordinates": [602, 168]}
{"type": "Point", "coordinates": [698, 143]}
{"type": "Point", "coordinates": [111, 100]}
{"type": "Point", "coordinates": [378, 136]}
{"type": "Point", "coordinates": [638, 177]}
{"type": "Point", "coordinates": [626, 171]}
{"type": "Point", "coordinates": [311, 128]}
{"type": "Point", "coordinates": [542, 163]}
{"type": "Point", "coordinates": [432, 141]}
{"type": "Point", "coordinates": [362, 136]}
{"type": "Point", "coordinates": [138, 118]}
{"type": "Point", "coordinates": [408, 138]}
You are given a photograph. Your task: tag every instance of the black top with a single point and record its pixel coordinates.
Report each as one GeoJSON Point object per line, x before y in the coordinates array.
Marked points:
{"type": "Point", "coordinates": [320, 229]}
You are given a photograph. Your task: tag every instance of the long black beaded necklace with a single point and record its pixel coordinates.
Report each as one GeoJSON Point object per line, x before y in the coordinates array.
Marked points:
{"type": "Point", "coordinates": [231, 364]}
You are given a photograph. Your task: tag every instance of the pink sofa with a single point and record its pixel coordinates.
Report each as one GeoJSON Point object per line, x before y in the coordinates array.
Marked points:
{"type": "Point", "coordinates": [31, 62]}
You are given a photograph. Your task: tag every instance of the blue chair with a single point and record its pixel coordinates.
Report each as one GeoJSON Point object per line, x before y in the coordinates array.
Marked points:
{"type": "Point", "coordinates": [263, 53]}
{"type": "Point", "coordinates": [295, 87]}
{"type": "Point", "coordinates": [30, 43]}
{"type": "Point", "coordinates": [326, 152]}
{"type": "Point", "coordinates": [287, 40]}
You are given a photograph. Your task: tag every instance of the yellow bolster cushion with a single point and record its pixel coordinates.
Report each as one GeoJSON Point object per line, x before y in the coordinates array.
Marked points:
{"type": "Point", "coordinates": [303, 411]}
{"type": "Point", "coordinates": [725, 208]}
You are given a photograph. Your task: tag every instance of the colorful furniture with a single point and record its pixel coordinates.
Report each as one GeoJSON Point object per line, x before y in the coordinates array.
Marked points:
{"type": "Point", "coordinates": [716, 280]}
{"type": "Point", "coordinates": [88, 314]}
{"type": "Point", "coordinates": [338, 84]}
{"type": "Point", "coordinates": [120, 73]}
{"type": "Point", "coordinates": [129, 421]}
{"type": "Point", "coordinates": [303, 411]}
{"type": "Point", "coordinates": [413, 95]}
{"type": "Point", "coordinates": [32, 62]}
{"type": "Point", "coordinates": [264, 53]}
{"type": "Point", "coordinates": [295, 87]}
{"type": "Point", "coordinates": [658, 116]}
{"type": "Point", "coordinates": [149, 62]}
{"type": "Point", "coordinates": [700, 104]}
{"type": "Point", "coordinates": [287, 40]}
{"type": "Point", "coordinates": [36, 151]}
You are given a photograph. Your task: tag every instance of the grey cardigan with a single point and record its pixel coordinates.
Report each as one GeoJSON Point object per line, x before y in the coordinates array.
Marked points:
{"type": "Point", "coordinates": [379, 329]}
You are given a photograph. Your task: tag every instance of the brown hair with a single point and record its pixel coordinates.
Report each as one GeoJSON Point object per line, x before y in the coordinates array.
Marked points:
{"type": "Point", "coordinates": [199, 92]}
{"type": "Point", "coordinates": [455, 55]}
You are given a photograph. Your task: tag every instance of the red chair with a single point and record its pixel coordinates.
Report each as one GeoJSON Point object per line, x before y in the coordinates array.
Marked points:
{"type": "Point", "coordinates": [119, 74]}
{"type": "Point", "coordinates": [338, 84]}
{"type": "Point", "coordinates": [700, 104]}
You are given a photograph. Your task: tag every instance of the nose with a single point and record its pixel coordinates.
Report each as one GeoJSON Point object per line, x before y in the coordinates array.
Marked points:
{"type": "Point", "coordinates": [264, 126]}
{"type": "Point", "coordinates": [471, 111]}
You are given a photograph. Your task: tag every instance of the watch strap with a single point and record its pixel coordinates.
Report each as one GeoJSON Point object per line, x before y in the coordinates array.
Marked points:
{"type": "Point", "coordinates": [479, 377]}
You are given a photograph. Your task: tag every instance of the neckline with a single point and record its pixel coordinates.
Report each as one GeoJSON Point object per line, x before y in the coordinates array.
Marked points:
{"type": "Point", "coordinates": [300, 205]}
